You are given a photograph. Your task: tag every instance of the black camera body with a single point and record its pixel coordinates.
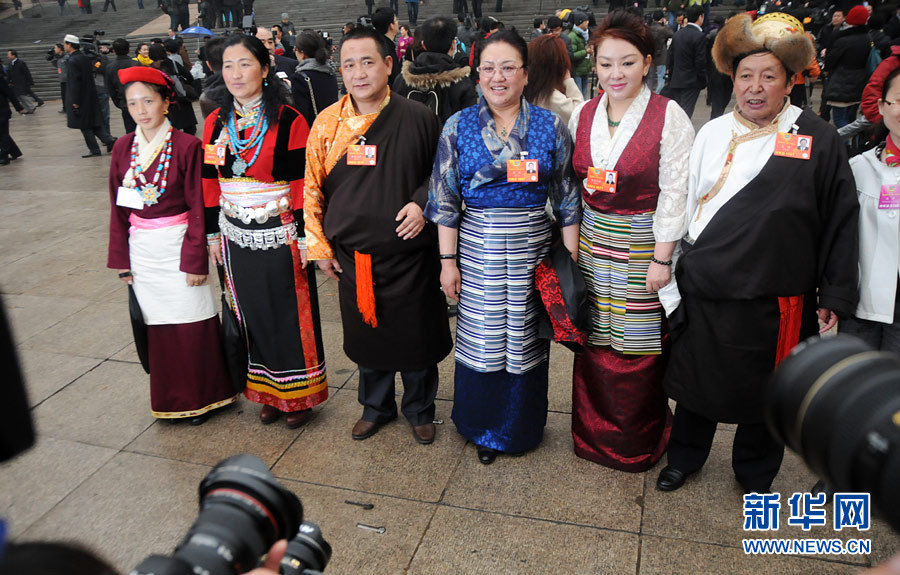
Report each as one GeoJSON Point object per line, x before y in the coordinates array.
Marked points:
{"type": "Point", "coordinates": [836, 403]}
{"type": "Point", "coordinates": [243, 511]}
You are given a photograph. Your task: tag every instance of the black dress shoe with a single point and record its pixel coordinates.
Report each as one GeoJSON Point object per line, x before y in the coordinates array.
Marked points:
{"type": "Point", "coordinates": [91, 155]}
{"type": "Point", "coordinates": [4, 161]}
{"type": "Point", "coordinates": [670, 479]}
{"type": "Point", "coordinates": [486, 455]}
{"type": "Point", "coordinates": [199, 419]}
{"type": "Point", "coordinates": [109, 146]}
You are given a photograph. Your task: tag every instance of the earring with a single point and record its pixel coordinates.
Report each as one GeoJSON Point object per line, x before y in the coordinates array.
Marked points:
{"type": "Point", "coordinates": [265, 83]}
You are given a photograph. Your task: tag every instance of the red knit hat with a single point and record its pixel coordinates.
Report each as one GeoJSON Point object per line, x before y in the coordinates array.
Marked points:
{"type": "Point", "coordinates": [857, 16]}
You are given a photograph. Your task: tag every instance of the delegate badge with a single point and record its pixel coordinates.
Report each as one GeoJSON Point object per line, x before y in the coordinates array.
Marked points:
{"type": "Point", "coordinates": [129, 198]}
{"type": "Point", "coordinates": [600, 180]}
{"type": "Point", "coordinates": [214, 155]}
{"type": "Point", "coordinates": [889, 198]}
{"type": "Point", "coordinates": [521, 170]}
{"type": "Point", "coordinates": [365, 155]}
{"type": "Point", "coordinates": [788, 145]}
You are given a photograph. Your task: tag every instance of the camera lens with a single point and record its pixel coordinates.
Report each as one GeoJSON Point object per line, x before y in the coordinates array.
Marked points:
{"type": "Point", "coordinates": [307, 550]}
{"type": "Point", "coordinates": [836, 402]}
{"type": "Point", "coordinates": [243, 511]}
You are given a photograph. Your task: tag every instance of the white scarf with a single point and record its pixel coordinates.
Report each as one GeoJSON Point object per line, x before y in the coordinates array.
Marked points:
{"type": "Point", "coordinates": [148, 149]}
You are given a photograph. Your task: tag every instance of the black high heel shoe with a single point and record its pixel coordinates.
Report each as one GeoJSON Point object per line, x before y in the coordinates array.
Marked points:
{"type": "Point", "coordinates": [486, 455]}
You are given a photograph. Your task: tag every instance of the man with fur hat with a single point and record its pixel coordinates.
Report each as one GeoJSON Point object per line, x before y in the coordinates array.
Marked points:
{"type": "Point", "coordinates": [771, 246]}
{"type": "Point", "coordinates": [435, 79]}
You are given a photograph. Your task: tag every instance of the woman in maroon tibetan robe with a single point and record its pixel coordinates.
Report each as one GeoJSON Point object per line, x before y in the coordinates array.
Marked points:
{"type": "Point", "coordinates": [631, 154]}
{"type": "Point", "coordinates": [157, 242]}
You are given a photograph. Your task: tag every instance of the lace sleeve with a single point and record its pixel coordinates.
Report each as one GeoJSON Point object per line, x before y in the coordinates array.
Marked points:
{"type": "Point", "coordinates": [670, 223]}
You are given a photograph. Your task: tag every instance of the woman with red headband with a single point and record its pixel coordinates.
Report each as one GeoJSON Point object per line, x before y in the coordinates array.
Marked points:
{"type": "Point", "coordinates": [157, 242]}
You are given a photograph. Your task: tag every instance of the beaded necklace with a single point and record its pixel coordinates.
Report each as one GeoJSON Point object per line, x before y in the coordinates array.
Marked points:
{"type": "Point", "coordinates": [151, 192]}
{"type": "Point", "coordinates": [238, 146]}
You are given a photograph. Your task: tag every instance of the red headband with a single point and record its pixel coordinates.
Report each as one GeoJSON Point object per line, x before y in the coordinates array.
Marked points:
{"type": "Point", "coordinates": [145, 74]}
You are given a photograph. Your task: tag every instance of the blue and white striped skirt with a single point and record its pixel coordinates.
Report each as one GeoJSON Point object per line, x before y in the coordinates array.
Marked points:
{"type": "Point", "coordinates": [498, 305]}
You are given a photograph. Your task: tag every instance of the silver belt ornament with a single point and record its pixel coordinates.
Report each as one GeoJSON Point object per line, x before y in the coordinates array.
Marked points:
{"type": "Point", "coordinates": [260, 214]}
{"type": "Point", "coordinates": [258, 239]}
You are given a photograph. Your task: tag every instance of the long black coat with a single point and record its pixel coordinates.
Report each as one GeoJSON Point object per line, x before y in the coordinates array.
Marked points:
{"type": "Point", "coordinates": [845, 64]}
{"type": "Point", "coordinates": [81, 90]}
{"type": "Point", "coordinates": [686, 65]}
{"type": "Point", "coordinates": [20, 77]}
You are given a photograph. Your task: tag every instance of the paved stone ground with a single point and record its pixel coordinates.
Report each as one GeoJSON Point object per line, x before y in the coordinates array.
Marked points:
{"type": "Point", "coordinates": [105, 473]}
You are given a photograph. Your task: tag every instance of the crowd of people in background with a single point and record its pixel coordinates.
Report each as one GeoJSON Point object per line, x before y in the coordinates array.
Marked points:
{"type": "Point", "coordinates": [405, 177]}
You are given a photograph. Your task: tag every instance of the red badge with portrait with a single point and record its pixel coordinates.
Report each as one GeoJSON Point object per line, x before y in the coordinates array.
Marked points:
{"type": "Point", "coordinates": [788, 145]}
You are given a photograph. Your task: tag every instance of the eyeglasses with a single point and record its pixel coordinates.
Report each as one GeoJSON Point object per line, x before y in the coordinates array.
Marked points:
{"type": "Point", "coordinates": [891, 103]}
{"type": "Point", "coordinates": [507, 70]}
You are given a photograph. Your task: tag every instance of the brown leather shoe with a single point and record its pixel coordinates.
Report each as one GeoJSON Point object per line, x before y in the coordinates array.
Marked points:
{"type": "Point", "coordinates": [365, 429]}
{"type": "Point", "coordinates": [295, 419]}
{"type": "Point", "coordinates": [269, 414]}
{"type": "Point", "coordinates": [424, 434]}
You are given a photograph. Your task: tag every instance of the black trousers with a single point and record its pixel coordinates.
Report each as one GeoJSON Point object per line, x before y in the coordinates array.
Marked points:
{"type": "Point", "coordinates": [92, 134]}
{"type": "Point", "coordinates": [686, 98]}
{"type": "Point", "coordinates": [755, 455]}
{"type": "Point", "coordinates": [8, 147]}
{"type": "Point", "coordinates": [130, 125]}
{"type": "Point", "coordinates": [376, 394]}
{"type": "Point", "coordinates": [30, 92]}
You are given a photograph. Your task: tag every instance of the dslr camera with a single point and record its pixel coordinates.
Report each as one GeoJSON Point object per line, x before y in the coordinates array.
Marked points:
{"type": "Point", "coordinates": [836, 403]}
{"type": "Point", "coordinates": [243, 511]}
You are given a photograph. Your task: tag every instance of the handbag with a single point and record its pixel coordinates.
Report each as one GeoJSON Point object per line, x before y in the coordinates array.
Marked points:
{"type": "Point", "coordinates": [234, 342]}
{"type": "Point", "coordinates": [312, 95]}
{"type": "Point", "coordinates": [563, 293]}
{"type": "Point", "coordinates": [139, 329]}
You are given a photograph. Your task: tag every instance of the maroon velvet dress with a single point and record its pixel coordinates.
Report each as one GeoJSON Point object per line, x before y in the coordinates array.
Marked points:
{"type": "Point", "coordinates": [188, 375]}
{"type": "Point", "coordinates": [620, 414]}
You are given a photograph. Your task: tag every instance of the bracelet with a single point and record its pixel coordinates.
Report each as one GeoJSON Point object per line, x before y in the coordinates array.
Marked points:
{"type": "Point", "coordinates": [656, 261]}
{"type": "Point", "coordinates": [448, 256]}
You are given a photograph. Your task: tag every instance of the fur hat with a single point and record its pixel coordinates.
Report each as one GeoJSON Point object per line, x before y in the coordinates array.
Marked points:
{"type": "Point", "coordinates": [777, 32]}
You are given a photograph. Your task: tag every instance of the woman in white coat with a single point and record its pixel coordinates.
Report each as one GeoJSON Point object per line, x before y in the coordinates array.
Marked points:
{"type": "Point", "coordinates": [877, 174]}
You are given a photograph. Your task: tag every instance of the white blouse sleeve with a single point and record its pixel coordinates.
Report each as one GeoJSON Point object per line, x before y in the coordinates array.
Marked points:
{"type": "Point", "coordinates": [670, 221]}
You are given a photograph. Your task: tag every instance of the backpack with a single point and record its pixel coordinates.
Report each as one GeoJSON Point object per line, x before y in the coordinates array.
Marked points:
{"type": "Point", "coordinates": [874, 58]}
{"type": "Point", "coordinates": [430, 98]}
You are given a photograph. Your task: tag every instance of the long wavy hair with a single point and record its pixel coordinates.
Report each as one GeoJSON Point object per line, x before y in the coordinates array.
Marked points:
{"type": "Point", "coordinates": [274, 94]}
{"type": "Point", "coordinates": [549, 61]}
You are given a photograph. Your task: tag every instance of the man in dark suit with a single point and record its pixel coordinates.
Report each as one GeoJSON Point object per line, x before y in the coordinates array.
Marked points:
{"type": "Point", "coordinates": [686, 66]}
{"type": "Point", "coordinates": [116, 91]}
{"type": "Point", "coordinates": [21, 81]}
{"type": "Point", "coordinates": [8, 148]}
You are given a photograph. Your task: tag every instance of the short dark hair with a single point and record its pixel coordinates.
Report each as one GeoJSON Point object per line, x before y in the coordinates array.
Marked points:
{"type": "Point", "coordinates": [382, 19]}
{"type": "Point", "coordinates": [120, 46]}
{"type": "Point", "coordinates": [280, 29]}
{"type": "Point", "coordinates": [438, 34]}
{"type": "Point", "coordinates": [14, 53]}
{"type": "Point", "coordinates": [213, 51]}
{"type": "Point", "coordinates": [512, 38]}
{"type": "Point", "coordinates": [538, 22]}
{"type": "Point", "coordinates": [137, 49]}
{"type": "Point", "coordinates": [172, 46]}
{"type": "Point", "coordinates": [157, 52]}
{"type": "Point", "coordinates": [554, 22]}
{"type": "Point", "coordinates": [693, 13]}
{"type": "Point", "coordinates": [363, 32]}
